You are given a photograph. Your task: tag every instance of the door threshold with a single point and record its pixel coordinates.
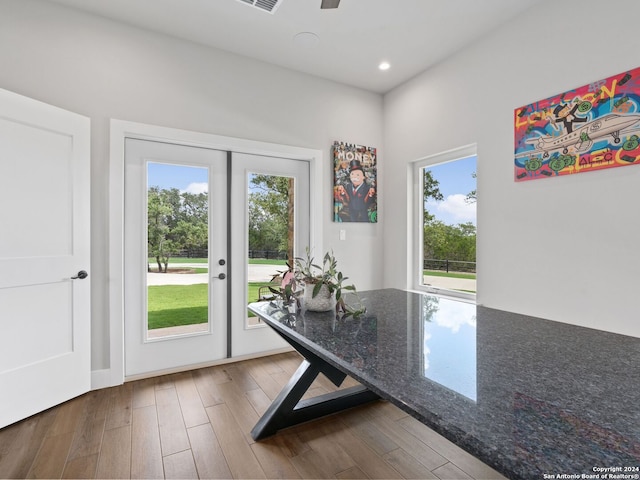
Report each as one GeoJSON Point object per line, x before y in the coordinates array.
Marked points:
{"type": "Point", "coordinates": [222, 361]}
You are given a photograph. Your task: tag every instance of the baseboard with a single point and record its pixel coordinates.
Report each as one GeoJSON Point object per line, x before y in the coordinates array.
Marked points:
{"type": "Point", "coordinates": [104, 378]}
{"type": "Point", "coordinates": [223, 361]}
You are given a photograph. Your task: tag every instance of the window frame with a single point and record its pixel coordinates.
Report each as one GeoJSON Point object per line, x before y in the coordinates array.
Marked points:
{"type": "Point", "coordinates": [417, 215]}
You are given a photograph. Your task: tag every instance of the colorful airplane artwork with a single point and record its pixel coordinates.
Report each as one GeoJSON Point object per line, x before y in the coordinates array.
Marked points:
{"type": "Point", "coordinates": [582, 138]}
{"type": "Point", "coordinates": [592, 127]}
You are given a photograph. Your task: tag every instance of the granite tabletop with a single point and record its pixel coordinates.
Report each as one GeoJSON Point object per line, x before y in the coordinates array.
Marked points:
{"type": "Point", "coordinates": [532, 398]}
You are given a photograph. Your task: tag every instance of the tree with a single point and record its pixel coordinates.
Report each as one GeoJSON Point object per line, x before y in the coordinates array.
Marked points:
{"type": "Point", "coordinates": [271, 213]}
{"type": "Point", "coordinates": [175, 221]}
{"type": "Point", "coordinates": [450, 242]}
{"type": "Point", "coordinates": [472, 196]}
{"type": "Point", "coordinates": [190, 236]}
{"type": "Point", "coordinates": [194, 207]}
{"type": "Point", "coordinates": [190, 231]}
{"type": "Point", "coordinates": [159, 213]}
{"type": "Point", "coordinates": [431, 190]}
{"type": "Point", "coordinates": [446, 242]}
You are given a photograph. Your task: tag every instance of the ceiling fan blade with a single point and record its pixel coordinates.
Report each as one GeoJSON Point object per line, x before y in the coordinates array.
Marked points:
{"type": "Point", "coordinates": [330, 4]}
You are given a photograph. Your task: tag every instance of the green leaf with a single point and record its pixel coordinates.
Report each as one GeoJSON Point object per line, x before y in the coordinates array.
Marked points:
{"type": "Point", "coordinates": [316, 289]}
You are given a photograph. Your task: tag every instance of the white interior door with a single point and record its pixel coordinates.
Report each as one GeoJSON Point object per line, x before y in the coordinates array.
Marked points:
{"type": "Point", "coordinates": [45, 340]}
{"type": "Point", "coordinates": [248, 335]}
{"type": "Point", "coordinates": [200, 296]}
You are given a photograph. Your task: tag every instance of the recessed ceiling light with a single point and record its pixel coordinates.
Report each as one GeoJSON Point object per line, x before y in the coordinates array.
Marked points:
{"type": "Point", "coordinates": [384, 66]}
{"type": "Point", "coordinates": [306, 39]}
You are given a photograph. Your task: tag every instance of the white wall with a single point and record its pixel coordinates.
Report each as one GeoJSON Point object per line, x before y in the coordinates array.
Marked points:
{"type": "Point", "coordinates": [562, 248]}
{"type": "Point", "coordinates": [105, 70]}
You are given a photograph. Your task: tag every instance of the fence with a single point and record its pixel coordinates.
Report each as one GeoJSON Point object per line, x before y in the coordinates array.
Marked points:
{"type": "Point", "coordinates": [186, 253]}
{"type": "Point", "coordinates": [268, 254]}
{"type": "Point", "coordinates": [449, 265]}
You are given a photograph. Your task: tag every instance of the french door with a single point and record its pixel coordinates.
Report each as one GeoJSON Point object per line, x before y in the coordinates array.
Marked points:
{"type": "Point", "coordinates": [280, 180]}
{"type": "Point", "coordinates": [186, 249]}
{"type": "Point", "coordinates": [157, 177]}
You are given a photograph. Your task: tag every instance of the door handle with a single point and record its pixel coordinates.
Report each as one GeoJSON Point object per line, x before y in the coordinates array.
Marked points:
{"type": "Point", "coordinates": [222, 276]}
{"type": "Point", "coordinates": [82, 274]}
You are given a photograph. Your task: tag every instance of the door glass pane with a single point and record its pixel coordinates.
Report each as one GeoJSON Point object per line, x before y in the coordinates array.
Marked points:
{"type": "Point", "coordinates": [177, 250]}
{"type": "Point", "coordinates": [271, 205]}
{"type": "Point", "coordinates": [449, 225]}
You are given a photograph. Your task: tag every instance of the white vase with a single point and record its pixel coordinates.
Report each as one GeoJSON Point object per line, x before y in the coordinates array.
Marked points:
{"type": "Point", "coordinates": [322, 302]}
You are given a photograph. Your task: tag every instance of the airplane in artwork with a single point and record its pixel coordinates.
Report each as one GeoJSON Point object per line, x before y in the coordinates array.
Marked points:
{"type": "Point", "coordinates": [583, 137]}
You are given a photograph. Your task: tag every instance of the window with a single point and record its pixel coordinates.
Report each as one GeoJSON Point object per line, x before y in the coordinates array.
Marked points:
{"type": "Point", "coordinates": [445, 223]}
{"type": "Point", "coordinates": [177, 249]}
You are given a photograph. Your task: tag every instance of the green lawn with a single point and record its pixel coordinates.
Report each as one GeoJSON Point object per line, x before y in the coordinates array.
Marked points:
{"type": "Point", "coordinates": [265, 261]}
{"type": "Point", "coordinates": [440, 273]}
{"type": "Point", "coordinates": [174, 305]}
{"type": "Point", "coordinates": [252, 293]}
{"type": "Point", "coordinates": [152, 260]}
{"type": "Point", "coordinates": [173, 268]}
{"type": "Point", "coordinates": [252, 261]}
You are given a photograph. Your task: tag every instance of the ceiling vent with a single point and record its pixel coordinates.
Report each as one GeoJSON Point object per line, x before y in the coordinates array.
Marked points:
{"type": "Point", "coordinates": [266, 5]}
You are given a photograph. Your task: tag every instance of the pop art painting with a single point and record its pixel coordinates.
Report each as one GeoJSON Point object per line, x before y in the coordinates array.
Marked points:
{"type": "Point", "coordinates": [355, 178]}
{"type": "Point", "coordinates": [593, 127]}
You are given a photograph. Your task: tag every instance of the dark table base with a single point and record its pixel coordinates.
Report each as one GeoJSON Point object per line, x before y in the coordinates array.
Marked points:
{"type": "Point", "coordinates": [288, 410]}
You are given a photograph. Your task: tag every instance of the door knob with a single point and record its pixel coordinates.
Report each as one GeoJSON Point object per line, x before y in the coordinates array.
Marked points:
{"type": "Point", "coordinates": [222, 276]}
{"type": "Point", "coordinates": [81, 275]}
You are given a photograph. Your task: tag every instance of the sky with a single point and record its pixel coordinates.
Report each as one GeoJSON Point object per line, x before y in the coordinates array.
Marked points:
{"type": "Point", "coordinates": [454, 177]}
{"type": "Point", "coordinates": [455, 183]}
{"type": "Point", "coordinates": [185, 179]}
{"type": "Point", "coordinates": [449, 333]}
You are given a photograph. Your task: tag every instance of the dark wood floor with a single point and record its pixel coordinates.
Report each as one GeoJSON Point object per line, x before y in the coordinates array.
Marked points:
{"type": "Point", "coordinates": [196, 425]}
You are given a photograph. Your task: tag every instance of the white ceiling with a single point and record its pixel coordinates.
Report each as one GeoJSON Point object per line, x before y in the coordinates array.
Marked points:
{"type": "Point", "coordinates": [411, 35]}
